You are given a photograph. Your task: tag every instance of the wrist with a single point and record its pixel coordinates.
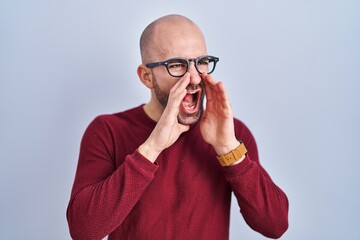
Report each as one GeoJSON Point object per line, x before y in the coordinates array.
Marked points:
{"type": "Point", "coordinates": [148, 151]}
{"type": "Point", "coordinates": [238, 161]}
{"type": "Point", "coordinates": [224, 149]}
{"type": "Point", "coordinates": [234, 156]}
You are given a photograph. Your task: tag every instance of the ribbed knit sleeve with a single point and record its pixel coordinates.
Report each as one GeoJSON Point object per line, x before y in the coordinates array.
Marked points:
{"type": "Point", "coordinates": [262, 203]}
{"type": "Point", "coordinates": [104, 194]}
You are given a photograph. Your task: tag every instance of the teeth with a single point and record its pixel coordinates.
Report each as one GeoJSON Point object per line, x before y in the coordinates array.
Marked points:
{"type": "Point", "coordinates": [190, 102]}
{"type": "Point", "coordinates": [191, 106]}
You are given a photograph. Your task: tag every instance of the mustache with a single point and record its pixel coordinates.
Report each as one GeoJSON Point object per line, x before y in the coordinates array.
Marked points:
{"type": "Point", "coordinates": [193, 87]}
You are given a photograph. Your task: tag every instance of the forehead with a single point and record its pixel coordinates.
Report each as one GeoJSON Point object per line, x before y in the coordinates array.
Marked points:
{"type": "Point", "coordinates": [182, 40]}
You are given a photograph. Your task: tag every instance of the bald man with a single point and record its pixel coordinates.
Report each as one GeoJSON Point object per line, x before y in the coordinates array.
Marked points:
{"type": "Point", "coordinates": [166, 169]}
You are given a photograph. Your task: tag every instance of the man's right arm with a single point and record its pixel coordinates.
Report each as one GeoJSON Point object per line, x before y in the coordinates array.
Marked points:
{"type": "Point", "coordinates": [103, 196]}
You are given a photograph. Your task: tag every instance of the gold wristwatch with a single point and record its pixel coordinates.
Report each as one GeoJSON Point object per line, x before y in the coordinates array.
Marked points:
{"type": "Point", "coordinates": [233, 156]}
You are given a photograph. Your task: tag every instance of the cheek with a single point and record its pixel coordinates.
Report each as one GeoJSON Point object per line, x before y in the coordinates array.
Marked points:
{"type": "Point", "coordinates": [164, 81]}
{"type": "Point", "coordinates": [168, 86]}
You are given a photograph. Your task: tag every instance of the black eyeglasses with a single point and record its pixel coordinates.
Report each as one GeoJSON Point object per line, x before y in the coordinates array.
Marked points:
{"type": "Point", "coordinates": [177, 67]}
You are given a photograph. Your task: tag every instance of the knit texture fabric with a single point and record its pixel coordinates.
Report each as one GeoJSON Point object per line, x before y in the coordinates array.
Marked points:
{"type": "Point", "coordinates": [185, 194]}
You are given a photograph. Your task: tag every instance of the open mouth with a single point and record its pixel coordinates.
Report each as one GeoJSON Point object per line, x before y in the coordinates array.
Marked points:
{"type": "Point", "coordinates": [190, 102]}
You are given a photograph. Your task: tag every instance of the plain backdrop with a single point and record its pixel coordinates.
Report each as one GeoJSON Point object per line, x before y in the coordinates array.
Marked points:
{"type": "Point", "coordinates": [291, 68]}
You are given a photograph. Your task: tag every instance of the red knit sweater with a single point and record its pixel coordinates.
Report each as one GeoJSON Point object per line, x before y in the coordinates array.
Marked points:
{"type": "Point", "coordinates": [185, 195]}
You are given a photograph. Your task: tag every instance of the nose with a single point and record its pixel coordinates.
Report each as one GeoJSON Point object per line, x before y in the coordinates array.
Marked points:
{"type": "Point", "coordinates": [195, 78]}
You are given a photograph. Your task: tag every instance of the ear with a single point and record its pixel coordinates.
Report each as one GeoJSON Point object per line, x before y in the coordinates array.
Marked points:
{"type": "Point", "coordinates": [145, 75]}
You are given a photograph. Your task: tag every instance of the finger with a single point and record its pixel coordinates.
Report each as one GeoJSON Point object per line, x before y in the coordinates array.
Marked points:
{"type": "Point", "coordinates": [222, 90]}
{"type": "Point", "coordinates": [215, 86]}
{"type": "Point", "coordinates": [177, 93]}
{"type": "Point", "coordinates": [213, 92]}
{"type": "Point", "coordinates": [208, 92]}
{"type": "Point", "coordinates": [216, 94]}
{"type": "Point", "coordinates": [183, 82]}
{"type": "Point", "coordinates": [224, 97]}
{"type": "Point", "coordinates": [208, 79]}
{"type": "Point", "coordinates": [208, 86]}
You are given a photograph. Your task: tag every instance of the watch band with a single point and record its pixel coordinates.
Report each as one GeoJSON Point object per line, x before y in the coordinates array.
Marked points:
{"type": "Point", "coordinates": [233, 156]}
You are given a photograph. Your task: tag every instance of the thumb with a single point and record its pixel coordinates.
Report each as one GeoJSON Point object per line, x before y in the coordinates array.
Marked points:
{"type": "Point", "coordinates": [184, 128]}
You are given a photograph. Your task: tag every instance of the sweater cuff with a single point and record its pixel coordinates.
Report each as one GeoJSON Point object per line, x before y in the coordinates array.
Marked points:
{"type": "Point", "coordinates": [239, 169]}
{"type": "Point", "coordinates": [143, 164]}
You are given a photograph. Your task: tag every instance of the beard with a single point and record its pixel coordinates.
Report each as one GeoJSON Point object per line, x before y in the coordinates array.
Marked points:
{"type": "Point", "coordinates": [183, 116]}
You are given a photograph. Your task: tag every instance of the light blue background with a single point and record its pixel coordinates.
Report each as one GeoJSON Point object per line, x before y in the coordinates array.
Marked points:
{"type": "Point", "coordinates": [292, 70]}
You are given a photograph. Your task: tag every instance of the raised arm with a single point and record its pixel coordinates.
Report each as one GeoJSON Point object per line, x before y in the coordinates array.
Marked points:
{"type": "Point", "coordinates": [263, 205]}
{"type": "Point", "coordinates": [105, 191]}
{"type": "Point", "coordinates": [102, 194]}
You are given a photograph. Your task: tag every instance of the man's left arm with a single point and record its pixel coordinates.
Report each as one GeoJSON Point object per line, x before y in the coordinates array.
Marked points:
{"type": "Point", "coordinates": [263, 204]}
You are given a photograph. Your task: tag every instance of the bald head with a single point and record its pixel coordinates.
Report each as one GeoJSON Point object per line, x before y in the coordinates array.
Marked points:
{"type": "Point", "coordinates": [164, 35]}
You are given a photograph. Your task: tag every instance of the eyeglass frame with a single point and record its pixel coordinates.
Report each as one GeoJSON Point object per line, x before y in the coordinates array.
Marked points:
{"type": "Point", "coordinates": [188, 61]}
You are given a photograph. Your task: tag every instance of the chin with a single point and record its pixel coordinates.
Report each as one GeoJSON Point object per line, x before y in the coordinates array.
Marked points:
{"type": "Point", "coordinates": [189, 119]}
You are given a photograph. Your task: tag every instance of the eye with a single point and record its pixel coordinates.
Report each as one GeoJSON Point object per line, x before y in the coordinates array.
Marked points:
{"type": "Point", "coordinates": [176, 65]}
{"type": "Point", "coordinates": [204, 62]}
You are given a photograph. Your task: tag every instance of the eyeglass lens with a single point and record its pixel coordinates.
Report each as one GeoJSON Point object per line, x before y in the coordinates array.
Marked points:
{"type": "Point", "coordinates": [178, 67]}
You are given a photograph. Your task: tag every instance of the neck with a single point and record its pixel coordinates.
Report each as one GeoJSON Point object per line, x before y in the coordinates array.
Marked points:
{"type": "Point", "coordinates": [153, 110]}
